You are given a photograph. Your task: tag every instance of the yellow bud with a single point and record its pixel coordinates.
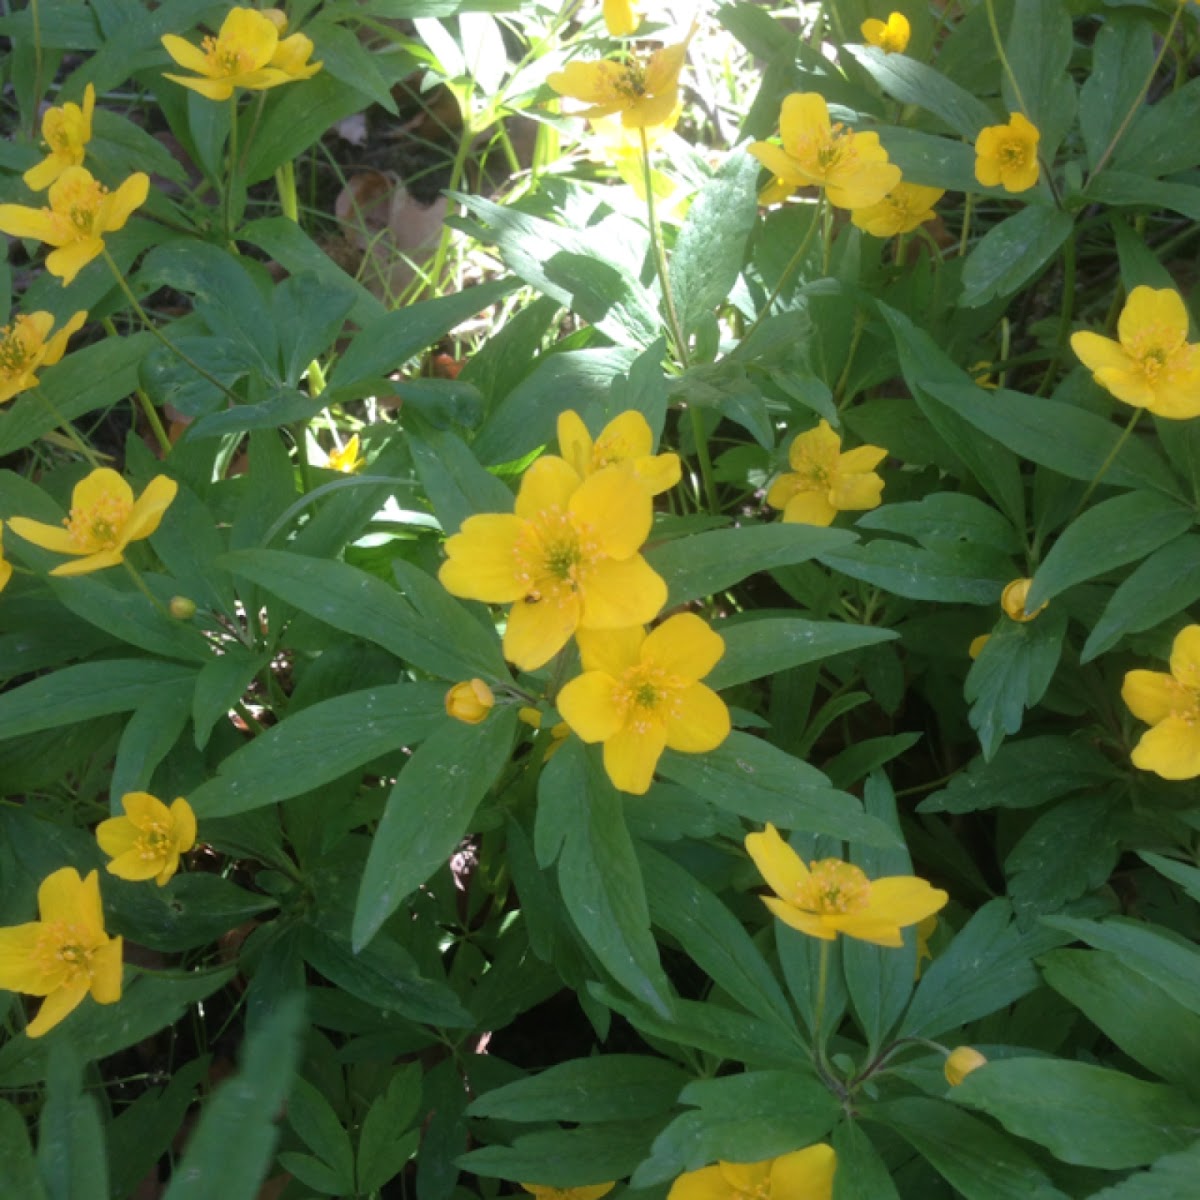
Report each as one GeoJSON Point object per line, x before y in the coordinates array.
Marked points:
{"type": "Point", "coordinates": [977, 644]}
{"type": "Point", "coordinates": [470, 701]}
{"type": "Point", "coordinates": [530, 716]}
{"type": "Point", "coordinates": [278, 18]}
{"type": "Point", "coordinates": [1012, 600]}
{"type": "Point", "coordinates": [962, 1061]}
{"type": "Point", "coordinates": [182, 608]}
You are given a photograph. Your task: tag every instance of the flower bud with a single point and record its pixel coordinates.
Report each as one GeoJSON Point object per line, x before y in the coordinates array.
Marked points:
{"type": "Point", "coordinates": [977, 645]}
{"type": "Point", "coordinates": [470, 701]}
{"type": "Point", "coordinates": [962, 1061]}
{"type": "Point", "coordinates": [182, 608]}
{"type": "Point", "coordinates": [1013, 598]}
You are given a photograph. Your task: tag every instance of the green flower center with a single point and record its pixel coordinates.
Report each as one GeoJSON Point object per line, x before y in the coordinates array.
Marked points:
{"type": "Point", "coordinates": [647, 694]}
{"type": "Point", "coordinates": [834, 888]}
{"type": "Point", "coordinates": [554, 556]}
{"type": "Point", "coordinates": [16, 352]}
{"type": "Point", "coordinates": [155, 842]}
{"type": "Point", "coordinates": [63, 947]}
{"type": "Point", "coordinates": [99, 525]}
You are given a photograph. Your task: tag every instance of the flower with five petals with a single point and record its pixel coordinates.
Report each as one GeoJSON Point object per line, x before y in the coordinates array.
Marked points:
{"type": "Point", "coordinates": [66, 954]}
{"type": "Point", "coordinates": [566, 558]}
{"type": "Point", "coordinates": [1007, 155]}
{"type": "Point", "coordinates": [625, 439]}
{"type": "Point", "coordinates": [823, 481]}
{"type": "Point", "coordinates": [25, 349]}
{"type": "Point", "coordinates": [1152, 365]}
{"type": "Point", "coordinates": [1170, 704]}
{"type": "Point", "coordinates": [81, 211]}
{"type": "Point", "coordinates": [66, 131]}
{"type": "Point", "coordinates": [891, 36]}
{"type": "Point", "coordinates": [640, 693]}
{"type": "Point", "coordinates": [802, 1175]}
{"type": "Point", "coordinates": [104, 519]}
{"type": "Point", "coordinates": [829, 897]}
{"type": "Point", "coordinates": [147, 841]}
{"type": "Point", "coordinates": [905, 208]}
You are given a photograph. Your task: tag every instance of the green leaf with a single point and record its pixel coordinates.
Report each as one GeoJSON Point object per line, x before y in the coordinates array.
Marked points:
{"type": "Point", "coordinates": [1187, 877]}
{"type": "Point", "coordinates": [71, 1145]}
{"type": "Point", "coordinates": [382, 1152]}
{"type": "Point", "coordinates": [148, 738]}
{"type": "Point", "coordinates": [1013, 252]}
{"type": "Point", "coordinates": [17, 1166]}
{"type": "Point", "coordinates": [608, 1087]}
{"type": "Point", "coordinates": [428, 812]}
{"type": "Point", "coordinates": [1116, 531]}
{"type": "Point", "coordinates": [1154, 144]}
{"type": "Point", "coordinates": [457, 486]}
{"type": "Point", "coordinates": [1039, 43]}
{"type": "Point", "coordinates": [861, 1173]}
{"type": "Point", "coordinates": [977, 1160]}
{"type": "Point", "coordinates": [754, 779]}
{"type": "Point", "coordinates": [1083, 1114]}
{"type": "Point", "coordinates": [321, 744]}
{"type": "Point", "coordinates": [229, 1154]}
{"type": "Point", "coordinates": [1165, 584]}
{"type": "Point", "coordinates": [706, 563]}
{"type": "Point", "coordinates": [1174, 1175]}
{"type": "Point", "coordinates": [220, 685]}
{"type": "Point", "coordinates": [318, 1127]}
{"type": "Point", "coordinates": [946, 519]}
{"type": "Point", "coordinates": [1122, 58]}
{"type": "Point", "coordinates": [933, 161]}
{"type": "Point", "coordinates": [958, 573]}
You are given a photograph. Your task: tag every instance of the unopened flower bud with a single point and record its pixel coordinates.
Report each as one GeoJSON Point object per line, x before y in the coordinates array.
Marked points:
{"type": "Point", "coordinates": [1013, 598]}
{"type": "Point", "coordinates": [977, 645]}
{"type": "Point", "coordinates": [470, 701]}
{"type": "Point", "coordinates": [962, 1061]}
{"type": "Point", "coordinates": [182, 608]}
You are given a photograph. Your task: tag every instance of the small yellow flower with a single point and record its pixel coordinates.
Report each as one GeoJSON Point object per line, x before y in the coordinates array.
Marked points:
{"type": "Point", "coordinates": [823, 481]}
{"type": "Point", "coordinates": [470, 702]}
{"type": "Point", "coordinates": [347, 459]}
{"type": "Point", "coordinates": [640, 693]}
{"type": "Point", "coordinates": [1007, 155]}
{"type": "Point", "coordinates": [25, 349]}
{"type": "Point", "coordinates": [961, 1062]}
{"type": "Point", "coordinates": [626, 439]}
{"type": "Point", "coordinates": [147, 841]}
{"type": "Point", "coordinates": [853, 168]}
{"type": "Point", "coordinates": [592, 1192]}
{"type": "Point", "coordinates": [622, 17]}
{"type": "Point", "coordinates": [1013, 598]}
{"type": "Point", "coordinates": [891, 36]}
{"type": "Point", "coordinates": [104, 519]}
{"type": "Point", "coordinates": [977, 645]}
{"type": "Point", "coordinates": [66, 131]}
{"type": "Point", "coordinates": [80, 213]}
{"type": "Point", "coordinates": [905, 208]}
{"type": "Point", "coordinates": [1153, 365]}
{"type": "Point", "coordinates": [246, 53]}
{"type": "Point", "coordinates": [66, 954]}
{"type": "Point", "coordinates": [5, 566]}
{"type": "Point", "coordinates": [831, 897]}
{"type": "Point", "coordinates": [566, 558]}
{"type": "Point", "coordinates": [1170, 704]}
{"type": "Point", "coordinates": [645, 93]}
{"type": "Point", "coordinates": [802, 1175]}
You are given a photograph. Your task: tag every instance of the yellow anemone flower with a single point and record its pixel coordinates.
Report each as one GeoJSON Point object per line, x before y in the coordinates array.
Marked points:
{"type": "Point", "coordinates": [104, 520]}
{"type": "Point", "coordinates": [823, 481]}
{"type": "Point", "coordinates": [591, 1192]}
{"type": "Point", "coordinates": [640, 693]}
{"type": "Point", "coordinates": [830, 897]}
{"type": "Point", "coordinates": [1153, 365]}
{"type": "Point", "coordinates": [66, 954]}
{"type": "Point", "coordinates": [25, 349]}
{"type": "Point", "coordinates": [853, 168]}
{"type": "Point", "coordinates": [66, 131]}
{"type": "Point", "coordinates": [802, 1175]}
{"type": "Point", "coordinates": [566, 558]}
{"type": "Point", "coordinates": [626, 439]}
{"type": "Point", "coordinates": [240, 56]}
{"type": "Point", "coordinates": [961, 1061]}
{"type": "Point", "coordinates": [81, 212]}
{"type": "Point", "coordinates": [1007, 155]}
{"type": "Point", "coordinates": [644, 93]}
{"type": "Point", "coordinates": [147, 841]}
{"type": "Point", "coordinates": [891, 36]}
{"type": "Point", "coordinates": [622, 18]}
{"type": "Point", "coordinates": [905, 208]}
{"type": "Point", "coordinates": [5, 566]}
{"type": "Point", "coordinates": [1013, 598]}
{"type": "Point", "coordinates": [348, 459]}
{"type": "Point", "coordinates": [1170, 704]}
{"type": "Point", "coordinates": [470, 701]}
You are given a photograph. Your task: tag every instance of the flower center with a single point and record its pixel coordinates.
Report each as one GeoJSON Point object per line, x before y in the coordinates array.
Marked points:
{"type": "Point", "coordinates": [155, 842]}
{"type": "Point", "coordinates": [226, 57]}
{"type": "Point", "coordinates": [1156, 350]}
{"type": "Point", "coordinates": [63, 947]}
{"type": "Point", "coordinates": [16, 352]}
{"type": "Point", "coordinates": [646, 695]}
{"type": "Point", "coordinates": [834, 888]}
{"type": "Point", "coordinates": [609, 451]}
{"type": "Point", "coordinates": [837, 149]}
{"type": "Point", "coordinates": [554, 555]}
{"type": "Point", "coordinates": [78, 203]}
{"type": "Point", "coordinates": [1013, 154]}
{"type": "Point", "coordinates": [632, 82]}
{"type": "Point", "coordinates": [98, 526]}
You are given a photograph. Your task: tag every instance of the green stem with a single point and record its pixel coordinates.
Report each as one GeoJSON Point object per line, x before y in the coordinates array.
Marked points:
{"type": "Point", "coordinates": [135, 575]}
{"type": "Point", "coordinates": [461, 153]}
{"type": "Point", "coordinates": [231, 178]}
{"type": "Point", "coordinates": [285, 185]}
{"type": "Point", "coordinates": [826, 237]}
{"type": "Point", "coordinates": [1012, 79]}
{"type": "Point", "coordinates": [1118, 446]}
{"type": "Point", "coordinates": [788, 271]}
{"type": "Point", "coordinates": [819, 1006]}
{"type": "Point", "coordinates": [966, 226]}
{"type": "Point", "coordinates": [68, 429]}
{"type": "Point", "coordinates": [1066, 312]}
{"type": "Point", "coordinates": [35, 14]}
{"type": "Point", "coordinates": [151, 414]}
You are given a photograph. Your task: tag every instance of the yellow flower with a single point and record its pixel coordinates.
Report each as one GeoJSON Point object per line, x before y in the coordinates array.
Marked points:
{"type": "Point", "coordinates": [147, 841]}
{"type": "Point", "coordinates": [905, 208]}
{"type": "Point", "coordinates": [66, 954]}
{"type": "Point", "coordinates": [891, 36]}
{"type": "Point", "coordinates": [347, 459]}
{"type": "Point", "coordinates": [831, 897]}
{"type": "Point", "coordinates": [961, 1062]}
{"type": "Point", "coordinates": [1007, 155]}
{"type": "Point", "coordinates": [243, 54]}
{"type": "Point", "coordinates": [802, 1175]}
{"type": "Point", "coordinates": [24, 349]}
{"type": "Point", "coordinates": [566, 558]}
{"type": "Point", "coordinates": [66, 131]}
{"type": "Point", "coordinates": [644, 93]}
{"type": "Point", "coordinates": [470, 702]}
{"type": "Point", "coordinates": [622, 18]}
{"type": "Point", "coordinates": [1013, 598]}
{"type": "Point", "coordinates": [81, 212]}
{"type": "Point", "coordinates": [853, 168]}
{"type": "Point", "coordinates": [639, 694]}
{"type": "Point", "coordinates": [104, 519]}
{"type": "Point", "coordinates": [591, 1192]}
{"type": "Point", "coordinates": [5, 566]}
{"type": "Point", "coordinates": [626, 439]}
{"type": "Point", "coordinates": [1170, 704]}
{"type": "Point", "coordinates": [1152, 365]}
{"type": "Point", "coordinates": [823, 481]}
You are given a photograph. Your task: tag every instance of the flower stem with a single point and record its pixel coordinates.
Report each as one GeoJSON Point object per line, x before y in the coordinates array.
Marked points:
{"type": "Point", "coordinates": [966, 225]}
{"type": "Point", "coordinates": [72, 434]}
{"type": "Point", "coordinates": [148, 409]}
{"type": "Point", "coordinates": [819, 1006]}
{"type": "Point", "coordinates": [788, 271]}
{"type": "Point", "coordinates": [136, 576]}
{"type": "Point", "coordinates": [1012, 79]}
{"type": "Point", "coordinates": [285, 185]}
{"type": "Point", "coordinates": [231, 178]}
{"type": "Point", "coordinates": [1108, 462]}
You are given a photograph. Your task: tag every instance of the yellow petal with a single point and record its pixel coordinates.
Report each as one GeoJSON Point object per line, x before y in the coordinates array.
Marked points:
{"type": "Point", "coordinates": [116, 836]}
{"type": "Point", "coordinates": [56, 347]}
{"type": "Point", "coordinates": [117, 206]}
{"type": "Point", "coordinates": [587, 704]}
{"type": "Point", "coordinates": [144, 810]}
{"type": "Point", "coordinates": [593, 82]}
{"type": "Point", "coordinates": [867, 183]}
{"type": "Point", "coordinates": [750, 1179]}
{"type": "Point", "coordinates": [67, 261]}
{"type": "Point", "coordinates": [620, 17]}
{"type": "Point", "coordinates": [58, 1005]}
{"type": "Point", "coordinates": [777, 862]}
{"type": "Point", "coordinates": [548, 484]}
{"type": "Point", "coordinates": [805, 922]}
{"type": "Point", "coordinates": [148, 510]}
{"type": "Point", "coordinates": [1128, 386]}
{"type": "Point", "coordinates": [873, 31]}
{"type": "Point", "coordinates": [99, 487]}
{"type": "Point", "coordinates": [1096, 352]}
{"type": "Point", "coordinates": [1185, 657]}
{"type": "Point", "coordinates": [861, 459]}
{"type": "Point", "coordinates": [537, 632]}
{"type": "Point", "coordinates": [879, 931]}
{"type": "Point", "coordinates": [211, 89]}
{"type": "Point", "coordinates": [699, 722]}
{"type": "Point", "coordinates": [1171, 749]}
{"type": "Point", "coordinates": [809, 508]}
{"type": "Point", "coordinates": [19, 971]}
{"type": "Point", "coordinates": [106, 972]}
{"type": "Point", "coordinates": [184, 824]}
{"type": "Point", "coordinates": [659, 472]}
{"type": "Point", "coordinates": [48, 537]}
{"type": "Point", "coordinates": [684, 645]}
{"type": "Point", "coordinates": [133, 867]}
{"type": "Point", "coordinates": [481, 561]}
{"type": "Point", "coordinates": [190, 57]}
{"type": "Point", "coordinates": [784, 488]}
{"type": "Point", "coordinates": [808, 1173]}
{"type": "Point", "coordinates": [664, 65]}
{"type": "Point", "coordinates": [611, 650]}
{"type": "Point", "coordinates": [819, 445]}
{"type": "Point", "coordinates": [1158, 309]}
{"type": "Point", "coordinates": [616, 505]}
{"type": "Point", "coordinates": [785, 168]}
{"type": "Point", "coordinates": [61, 897]}
{"type": "Point", "coordinates": [631, 755]}
{"type": "Point", "coordinates": [620, 594]}
{"type": "Point", "coordinates": [93, 562]}
{"type": "Point", "coordinates": [804, 116]}
{"type": "Point", "coordinates": [706, 1184]}
{"type": "Point", "coordinates": [854, 493]}
{"type": "Point", "coordinates": [251, 32]}
{"type": "Point", "coordinates": [574, 441]}
{"type": "Point", "coordinates": [43, 174]}
{"type": "Point", "coordinates": [19, 221]}
{"type": "Point", "coordinates": [904, 899]}
{"type": "Point", "coordinates": [651, 110]}
{"type": "Point", "coordinates": [627, 436]}
{"type": "Point", "coordinates": [1152, 695]}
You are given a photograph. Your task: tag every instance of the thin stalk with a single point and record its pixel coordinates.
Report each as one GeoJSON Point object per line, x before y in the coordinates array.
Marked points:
{"type": "Point", "coordinates": [966, 227]}
{"type": "Point", "coordinates": [35, 13]}
{"type": "Point", "coordinates": [1066, 312]}
{"type": "Point", "coordinates": [231, 178]}
{"type": "Point", "coordinates": [461, 153]}
{"type": "Point", "coordinates": [72, 434]}
{"type": "Point", "coordinates": [788, 271]}
{"type": "Point", "coordinates": [135, 575]}
{"type": "Point", "coordinates": [148, 409]}
{"type": "Point", "coordinates": [826, 237]}
{"type": "Point", "coordinates": [1012, 79]}
{"type": "Point", "coordinates": [1108, 462]}
{"type": "Point", "coordinates": [285, 185]}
